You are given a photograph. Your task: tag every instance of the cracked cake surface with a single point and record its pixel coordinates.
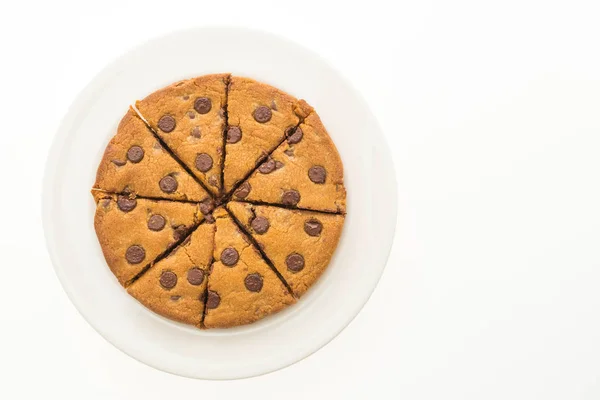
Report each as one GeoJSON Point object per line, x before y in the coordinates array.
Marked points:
{"type": "Point", "coordinates": [219, 201]}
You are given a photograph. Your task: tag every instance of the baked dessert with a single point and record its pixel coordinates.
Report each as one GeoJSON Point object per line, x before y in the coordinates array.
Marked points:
{"type": "Point", "coordinates": [135, 162]}
{"type": "Point", "coordinates": [259, 116]}
{"type": "Point", "coordinates": [134, 232]}
{"type": "Point", "coordinates": [305, 172]}
{"type": "Point", "coordinates": [242, 288]}
{"type": "Point", "coordinates": [175, 286]}
{"type": "Point", "coordinates": [189, 116]}
{"type": "Point", "coordinates": [298, 243]}
{"type": "Point", "coordinates": [219, 201]}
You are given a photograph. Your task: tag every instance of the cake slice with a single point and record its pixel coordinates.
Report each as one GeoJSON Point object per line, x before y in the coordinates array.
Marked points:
{"type": "Point", "coordinates": [259, 116]}
{"type": "Point", "coordinates": [189, 117]}
{"type": "Point", "coordinates": [242, 288]}
{"type": "Point", "coordinates": [299, 243]}
{"type": "Point", "coordinates": [134, 232]}
{"type": "Point", "coordinates": [305, 172]}
{"type": "Point", "coordinates": [174, 287]}
{"type": "Point", "coordinates": [135, 162]}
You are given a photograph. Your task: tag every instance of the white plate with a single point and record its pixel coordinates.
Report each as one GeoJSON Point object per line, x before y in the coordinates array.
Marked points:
{"type": "Point", "coordinates": [277, 341]}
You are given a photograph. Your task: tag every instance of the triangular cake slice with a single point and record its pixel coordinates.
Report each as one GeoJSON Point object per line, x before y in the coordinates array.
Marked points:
{"type": "Point", "coordinates": [135, 162]}
{"type": "Point", "coordinates": [242, 288]}
{"type": "Point", "coordinates": [259, 116]}
{"type": "Point", "coordinates": [189, 117]}
{"type": "Point", "coordinates": [174, 287]}
{"type": "Point", "coordinates": [299, 243]}
{"type": "Point", "coordinates": [134, 232]}
{"type": "Point", "coordinates": [305, 172]}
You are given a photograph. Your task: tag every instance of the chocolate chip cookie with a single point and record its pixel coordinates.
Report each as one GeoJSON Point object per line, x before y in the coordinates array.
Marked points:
{"type": "Point", "coordinates": [135, 162]}
{"type": "Point", "coordinates": [241, 288]}
{"type": "Point", "coordinates": [175, 286]}
{"type": "Point", "coordinates": [219, 201]}
{"type": "Point", "coordinates": [299, 243]}
{"type": "Point", "coordinates": [134, 232]}
{"type": "Point", "coordinates": [305, 171]}
{"type": "Point", "coordinates": [258, 117]}
{"type": "Point", "coordinates": [189, 116]}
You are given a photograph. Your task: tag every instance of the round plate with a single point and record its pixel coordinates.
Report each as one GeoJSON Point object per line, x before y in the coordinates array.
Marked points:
{"type": "Point", "coordinates": [276, 341]}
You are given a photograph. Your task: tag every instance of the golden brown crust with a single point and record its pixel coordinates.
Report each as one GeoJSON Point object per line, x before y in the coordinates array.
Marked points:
{"type": "Point", "coordinates": [315, 149]}
{"type": "Point", "coordinates": [132, 174]}
{"type": "Point", "coordinates": [184, 302]}
{"type": "Point", "coordinates": [238, 305]}
{"type": "Point", "coordinates": [117, 174]}
{"type": "Point", "coordinates": [302, 109]}
{"type": "Point", "coordinates": [195, 132]}
{"type": "Point", "coordinates": [286, 235]}
{"type": "Point", "coordinates": [258, 139]}
{"type": "Point", "coordinates": [118, 230]}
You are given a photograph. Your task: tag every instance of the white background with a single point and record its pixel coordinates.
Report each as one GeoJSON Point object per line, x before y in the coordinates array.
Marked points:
{"type": "Point", "coordinates": [492, 110]}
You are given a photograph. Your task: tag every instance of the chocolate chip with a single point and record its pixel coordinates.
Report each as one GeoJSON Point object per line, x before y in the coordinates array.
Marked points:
{"type": "Point", "coordinates": [206, 206]}
{"type": "Point", "coordinates": [126, 204]}
{"type": "Point", "coordinates": [289, 152]}
{"type": "Point", "coordinates": [243, 191]}
{"type": "Point", "coordinates": [234, 134]}
{"type": "Point", "coordinates": [313, 227]}
{"type": "Point", "coordinates": [186, 97]}
{"type": "Point", "coordinates": [317, 174]}
{"type": "Point", "coordinates": [168, 184]}
{"type": "Point", "coordinates": [195, 276]}
{"type": "Point", "coordinates": [135, 154]}
{"type": "Point", "coordinates": [212, 300]}
{"type": "Point", "coordinates": [294, 135]}
{"type": "Point", "coordinates": [191, 114]}
{"type": "Point", "coordinates": [213, 181]}
{"type": "Point", "coordinates": [254, 282]}
{"type": "Point", "coordinates": [260, 225]}
{"type": "Point", "coordinates": [119, 163]}
{"type": "Point", "coordinates": [262, 114]}
{"type": "Point", "coordinates": [175, 298]}
{"type": "Point", "coordinates": [105, 203]}
{"type": "Point", "coordinates": [230, 256]}
{"type": "Point", "coordinates": [209, 219]}
{"type": "Point", "coordinates": [196, 132]}
{"type": "Point", "coordinates": [267, 167]}
{"type": "Point", "coordinates": [168, 279]}
{"type": "Point", "coordinates": [166, 123]}
{"type": "Point", "coordinates": [179, 232]}
{"type": "Point", "coordinates": [202, 105]}
{"type": "Point", "coordinates": [278, 165]}
{"type": "Point", "coordinates": [290, 197]}
{"type": "Point", "coordinates": [204, 162]}
{"type": "Point", "coordinates": [295, 262]}
{"type": "Point", "coordinates": [156, 222]}
{"type": "Point", "coordinates": [135, 254]}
